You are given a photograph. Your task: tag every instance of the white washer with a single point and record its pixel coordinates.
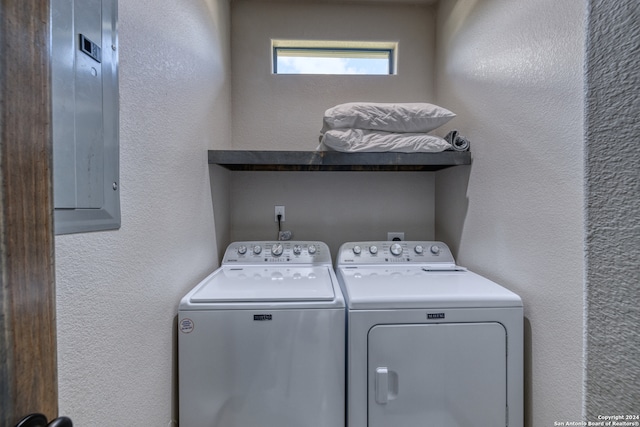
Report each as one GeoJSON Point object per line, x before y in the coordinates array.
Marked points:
{"type": "Point", "coordinates": [261, 340]}
{"type": "Point", "coordinates": [429, 343]}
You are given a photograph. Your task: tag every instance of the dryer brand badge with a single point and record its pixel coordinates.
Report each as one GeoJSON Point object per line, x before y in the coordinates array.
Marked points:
{"type": "Point", "coordinates": [435, 315]}
{"type": "Point", "coordinates": [261, 317]}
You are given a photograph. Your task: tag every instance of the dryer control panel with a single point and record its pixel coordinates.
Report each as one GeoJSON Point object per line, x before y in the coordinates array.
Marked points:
{"type": "Point", "coordinates": [387, 252]}
{"type": "Point", "coordinates": [277, 252]}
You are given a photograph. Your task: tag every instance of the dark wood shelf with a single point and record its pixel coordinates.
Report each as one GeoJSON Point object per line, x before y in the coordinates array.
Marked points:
{"type": "Point", "coordinates": [247, 160]}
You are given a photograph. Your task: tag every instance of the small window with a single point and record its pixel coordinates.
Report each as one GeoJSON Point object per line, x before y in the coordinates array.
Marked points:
{"type": "Point", "coordinates": [342, 58]}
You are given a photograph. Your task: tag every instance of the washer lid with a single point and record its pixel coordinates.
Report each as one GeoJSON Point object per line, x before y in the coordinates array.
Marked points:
{"type": "Point", "coordinates": [255, 284]}
{"type": "Point", "coordinates": [417, 287]}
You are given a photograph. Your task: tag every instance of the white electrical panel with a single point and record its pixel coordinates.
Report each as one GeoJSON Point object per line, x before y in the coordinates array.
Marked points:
{"type": "Point", "coordinates": [85, 112]}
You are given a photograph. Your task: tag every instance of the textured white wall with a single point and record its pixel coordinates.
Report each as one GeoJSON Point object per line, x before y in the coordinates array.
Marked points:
{"type": "Point", "coordinates": [284, 112]}
{"type": "Point", "coordinates": [613, 208]}
{"type": "Point", "coordinates": [272, 112]}
{"type": "Point", "coordinates": [513, 71]}
{"type": "Point", "coordinates": [333, 207]}
{"type": "Point", "coordinates": [118, 291]}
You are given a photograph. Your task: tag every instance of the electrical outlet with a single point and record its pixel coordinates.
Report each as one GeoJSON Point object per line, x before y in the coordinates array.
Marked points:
{"type": "Point", "coordinates": [279, 211]}
{"type": "Point", "coordinates": [395, 235]}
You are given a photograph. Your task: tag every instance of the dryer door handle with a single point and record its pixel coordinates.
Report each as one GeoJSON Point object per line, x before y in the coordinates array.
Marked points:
{"type": "Point", "coordinates": [382, 385]}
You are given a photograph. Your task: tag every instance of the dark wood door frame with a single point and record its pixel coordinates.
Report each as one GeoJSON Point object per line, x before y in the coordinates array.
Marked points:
{"type": "Point", "coordinates": [28, 362]}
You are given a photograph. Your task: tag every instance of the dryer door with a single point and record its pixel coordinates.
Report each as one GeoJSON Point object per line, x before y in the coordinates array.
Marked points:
{"type": "Point", "coordinates": [436, 375]}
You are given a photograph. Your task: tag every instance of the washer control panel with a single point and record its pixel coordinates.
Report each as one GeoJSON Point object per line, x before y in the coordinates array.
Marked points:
{"type": "Point", "coordinates": [383, 252]}
{"type": "Point", "coordinates": [275, 252]}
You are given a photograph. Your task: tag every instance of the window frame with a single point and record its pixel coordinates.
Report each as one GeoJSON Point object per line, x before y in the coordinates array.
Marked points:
{"type": "Point", "coordinates": [341, 50]}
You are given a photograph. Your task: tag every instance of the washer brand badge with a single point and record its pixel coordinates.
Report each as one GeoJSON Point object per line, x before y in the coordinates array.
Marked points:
{"type": "Point", "coordinates": [261, 317]}
{"type": "Point", "coordinates": [435, 315]}
{"type": "Point", "coordinates": [186, 326]}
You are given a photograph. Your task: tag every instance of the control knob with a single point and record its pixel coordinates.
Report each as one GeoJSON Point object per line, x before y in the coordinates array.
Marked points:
{"type": "Point", "coordinates": [242, 250]}
{"type": "Point", "coordinates": [276, 249]}
{"type": "Point", "coordinates": [257, 249]}
{"type": "Point", "coordinates": [419, 249]}
{"type": "Point", "coordinates": [396, 249]}
{"type": "Point", "coordinates": [373, 250]}
{"type": "Point", "coordinates": [357, 250]}
{"type": "Point", "coordinates": [297, 249]}
{"type": "Point", "coordinates": [312, 249]}
{"type": "Point", "coordinates": [435, 249]}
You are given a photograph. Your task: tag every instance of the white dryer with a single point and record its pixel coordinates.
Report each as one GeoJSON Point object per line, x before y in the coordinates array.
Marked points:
{"type": "Point", "coordinates": [261, 340]}
{"type": "Point", "coordinates": [430, 343]}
